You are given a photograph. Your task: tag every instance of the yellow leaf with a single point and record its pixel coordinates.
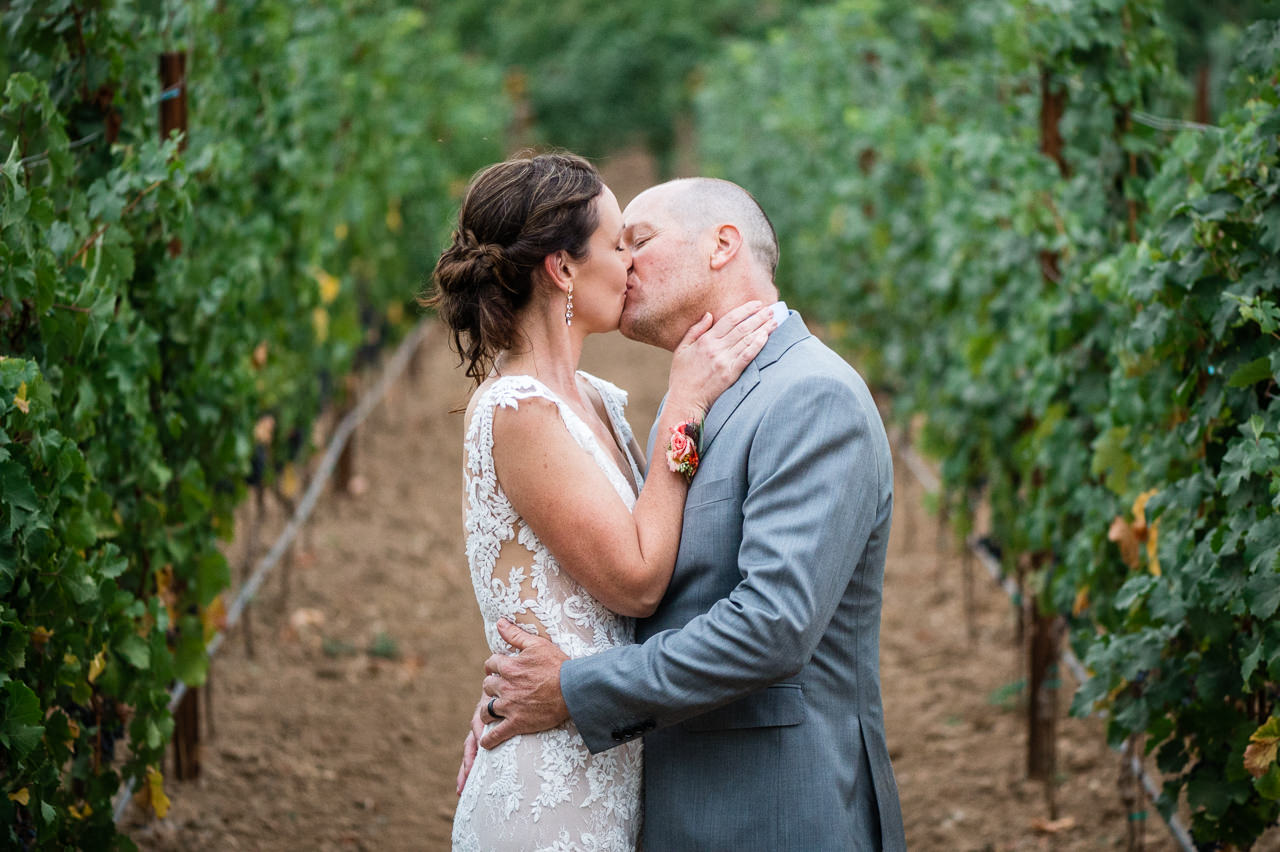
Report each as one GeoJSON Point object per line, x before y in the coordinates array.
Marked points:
{"type": "Point", "coordinates": [22, 796]}
{"type": "Point", "coordinates": [166, 592]}
{"type": "Point", "coordinates": [340, 231]}
{"type": "Point", "coordinates": [1121, 532]}
{"type": "Point", "coordinates": [1261, 751]}
{"type": "Point", "coordinates": [290, 485]}
{"type": "Point", "coordinates": [83, 811]}
{"type": "Point", "coordinates": [214, 618]}
{"type": "Point", "coordinates": [155, 792]}
{"type": "Point", "coordinates": [20, 399]}
{"type": "Point", "coordinates": [394, 222]}
{"type": "Point", "coordinates": [74, 728]}
{"type": "Point", "coordinates": [395, 313]}
{"type": "Point", "coordinates": [40, 636]}
{"type": "Point", "coordinates": [97, 665]}
{"type": "Point", "coordinates": [1258, 757]}
{"type": "Point", "coordinates": [329, 286]}
{"type": "Point", "coordinates": [320, 319]}
{"type": "Point", "coordinates": [1081, 602]}
{"type": "Point", "coordinates": [516, 84]}
{"type": "Point", "coordinates": [1140, 512]}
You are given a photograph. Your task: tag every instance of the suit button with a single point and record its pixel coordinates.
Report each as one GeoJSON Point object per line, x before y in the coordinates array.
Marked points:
{"type": "Point", "coordinates": [617, 736]}
{"type": "Point", "coordinates": [649, 725]}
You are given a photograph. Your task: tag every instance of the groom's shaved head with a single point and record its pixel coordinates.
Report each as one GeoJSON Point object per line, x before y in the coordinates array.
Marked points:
{"type": "Point", "coordinates": [699, 203]}
{"type": "Point", "coordinates": [672, 230]}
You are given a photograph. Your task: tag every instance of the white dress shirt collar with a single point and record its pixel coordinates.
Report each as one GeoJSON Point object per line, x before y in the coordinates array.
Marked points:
{"type": "Point", "coordinates": [780, 312]}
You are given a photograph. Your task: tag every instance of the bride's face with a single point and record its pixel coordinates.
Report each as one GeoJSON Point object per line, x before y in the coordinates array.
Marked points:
{"type": "Point", "coordinates": [600, 281]}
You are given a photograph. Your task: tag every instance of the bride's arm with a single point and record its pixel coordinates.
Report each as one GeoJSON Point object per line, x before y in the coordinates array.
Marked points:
{"type": "Point", "coordinates": [622, 558]}
{"type": "Point", "coordinates": [637, 453]}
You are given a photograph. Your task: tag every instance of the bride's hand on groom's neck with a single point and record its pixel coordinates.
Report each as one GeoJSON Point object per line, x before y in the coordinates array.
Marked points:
{"type": "Point", "coordinates": [712, 356]}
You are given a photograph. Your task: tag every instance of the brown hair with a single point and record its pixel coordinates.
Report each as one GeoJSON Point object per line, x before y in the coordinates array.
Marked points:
{"type": "Point", "coordinates": [514, 214]}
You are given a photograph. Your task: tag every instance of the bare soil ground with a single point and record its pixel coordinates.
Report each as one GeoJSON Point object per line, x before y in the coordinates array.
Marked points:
{"type": "Point", "coordinates": [343, 730]}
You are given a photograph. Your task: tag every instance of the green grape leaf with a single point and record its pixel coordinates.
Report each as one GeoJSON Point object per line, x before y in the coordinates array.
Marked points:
{"type": "Point", "coordinates": [1255, 371]}
{"type": "Point", "coordinates": [20, 728]}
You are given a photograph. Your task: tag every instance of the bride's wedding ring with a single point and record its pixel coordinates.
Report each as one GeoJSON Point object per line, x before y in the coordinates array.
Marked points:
{"type": "Point", "coordinates": [492, 712]}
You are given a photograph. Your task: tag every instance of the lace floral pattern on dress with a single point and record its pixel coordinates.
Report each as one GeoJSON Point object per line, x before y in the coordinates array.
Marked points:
{"type": "Point", "coordinates": [543, 791]}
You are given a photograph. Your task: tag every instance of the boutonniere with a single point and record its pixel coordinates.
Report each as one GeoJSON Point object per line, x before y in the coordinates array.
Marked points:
{"type": "Point", "coordinates": [682, 447]}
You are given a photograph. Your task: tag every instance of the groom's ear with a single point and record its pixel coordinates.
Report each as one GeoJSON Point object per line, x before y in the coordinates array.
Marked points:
{"type": "Point", "coordinates": [558, 269]}
{"type": "Point", "coordinates": [728, 242]}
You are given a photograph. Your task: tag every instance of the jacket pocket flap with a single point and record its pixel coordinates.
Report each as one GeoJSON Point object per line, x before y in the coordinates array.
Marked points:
{"type": "Point", "coordinates": [776, 706]}
{"type": "Point", "coordinates": [712, 491]}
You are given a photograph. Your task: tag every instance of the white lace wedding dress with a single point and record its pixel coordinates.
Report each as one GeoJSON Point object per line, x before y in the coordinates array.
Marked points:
{"type": "Point", "coordinates": [543, 791]}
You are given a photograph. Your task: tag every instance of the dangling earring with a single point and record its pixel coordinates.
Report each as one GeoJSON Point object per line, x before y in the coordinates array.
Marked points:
{"type": "Point", "coordinates": [568, 310]}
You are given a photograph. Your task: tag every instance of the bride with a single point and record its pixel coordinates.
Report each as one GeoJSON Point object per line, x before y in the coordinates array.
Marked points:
{"type": "Point", "coordinates": [560, 538]}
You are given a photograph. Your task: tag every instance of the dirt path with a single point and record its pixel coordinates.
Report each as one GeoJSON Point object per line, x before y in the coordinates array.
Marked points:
{"type": "Point", "coordinates": [343, 730]}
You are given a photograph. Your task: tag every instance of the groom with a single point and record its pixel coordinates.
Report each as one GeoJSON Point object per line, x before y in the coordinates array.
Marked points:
{"type": "Point", "coordinates": [756, 682]}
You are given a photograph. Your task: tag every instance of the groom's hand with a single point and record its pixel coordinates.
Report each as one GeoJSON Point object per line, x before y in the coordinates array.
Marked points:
{"type": "Point", "coordinates": [526, 686]}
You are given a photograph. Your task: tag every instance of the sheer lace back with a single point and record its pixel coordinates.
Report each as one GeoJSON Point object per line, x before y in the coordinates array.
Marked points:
{"type": "Point", "coordinates": [543, 791]}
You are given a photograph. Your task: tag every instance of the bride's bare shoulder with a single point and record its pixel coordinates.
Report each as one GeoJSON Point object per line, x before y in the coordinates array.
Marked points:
{"type": "Point", "coordinates": [476, 394]}
{"type": "Point", "coordinates": [522, 409]}
{"type": "Point", "coordinates": [519, 388]}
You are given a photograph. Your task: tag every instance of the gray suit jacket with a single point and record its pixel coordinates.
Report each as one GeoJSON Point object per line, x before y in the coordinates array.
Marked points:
{"type": "Point", "coordinates": [757, 682]}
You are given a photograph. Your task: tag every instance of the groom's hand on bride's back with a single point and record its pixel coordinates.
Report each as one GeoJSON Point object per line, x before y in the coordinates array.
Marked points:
{"type": "Point", "coordinates": [525, 686]}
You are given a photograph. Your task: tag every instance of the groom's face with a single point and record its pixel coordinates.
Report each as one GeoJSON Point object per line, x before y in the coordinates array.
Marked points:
{"type": "Point", "coordinates": [664, 282]}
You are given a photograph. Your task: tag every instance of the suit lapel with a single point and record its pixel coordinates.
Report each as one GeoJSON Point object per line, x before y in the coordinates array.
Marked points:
{"type": "Point", "coordinates": [791, 332]}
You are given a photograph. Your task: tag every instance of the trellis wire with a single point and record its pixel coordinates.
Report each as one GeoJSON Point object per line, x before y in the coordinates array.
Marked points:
{"type": "Point", "coordinates": [341, 435]}
{"type": "Point", "coordinates": [1158, 123]}
{"type": "Point", "coordinates": [37, 159]}
{"type": "Point", "coordinates": [930, 482]}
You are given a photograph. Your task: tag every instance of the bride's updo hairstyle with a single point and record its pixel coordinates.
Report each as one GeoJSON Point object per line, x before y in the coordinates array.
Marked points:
{"type": "Point", "coordinates": [514, 214]}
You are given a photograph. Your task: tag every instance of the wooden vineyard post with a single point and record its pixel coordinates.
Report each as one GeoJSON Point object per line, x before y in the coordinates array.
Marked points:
{"type": "Point", "coordinates": [1042, 697]}
{"type": "Point", "coordinates": [967, 578]}
{"type": "Point", "coordinates": [942, 545]}
{"type": "Point", "coordinates": [256, 517]}
{"type": "Point", "coordinates": [1124, 125]}
{"type": "Point", "coordinates": [903, 443]}
{"type": "Point", "coordinates": [173, 116]}
{"type": "Point", "coordinates": [970, 595]}
{"type": "Point", "coordinates": [1131, 794]}
{"type": "Point", "coordinates": [173, 110]}
{"type": "Point", "coordinates": [1053, 102]}
{"type": "Point", "coordinates": [346, 467]}
{"type": "Point", "coordinates": [415, 365]}
{"type": "Point", "coordinates": [1020, 629]}
{"type": "Point", "coordinates": [186, 736]}
{"type": "Point", "coordinates": [1045, 628]}
{"type": "Point", "coordinates": [290, 506]}
{"type": "Point", "coordinates": [1203, 110]}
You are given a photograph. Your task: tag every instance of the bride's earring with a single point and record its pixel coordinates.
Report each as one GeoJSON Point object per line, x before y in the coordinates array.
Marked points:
{"type": "Point", "coordinates": [568, 309]}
